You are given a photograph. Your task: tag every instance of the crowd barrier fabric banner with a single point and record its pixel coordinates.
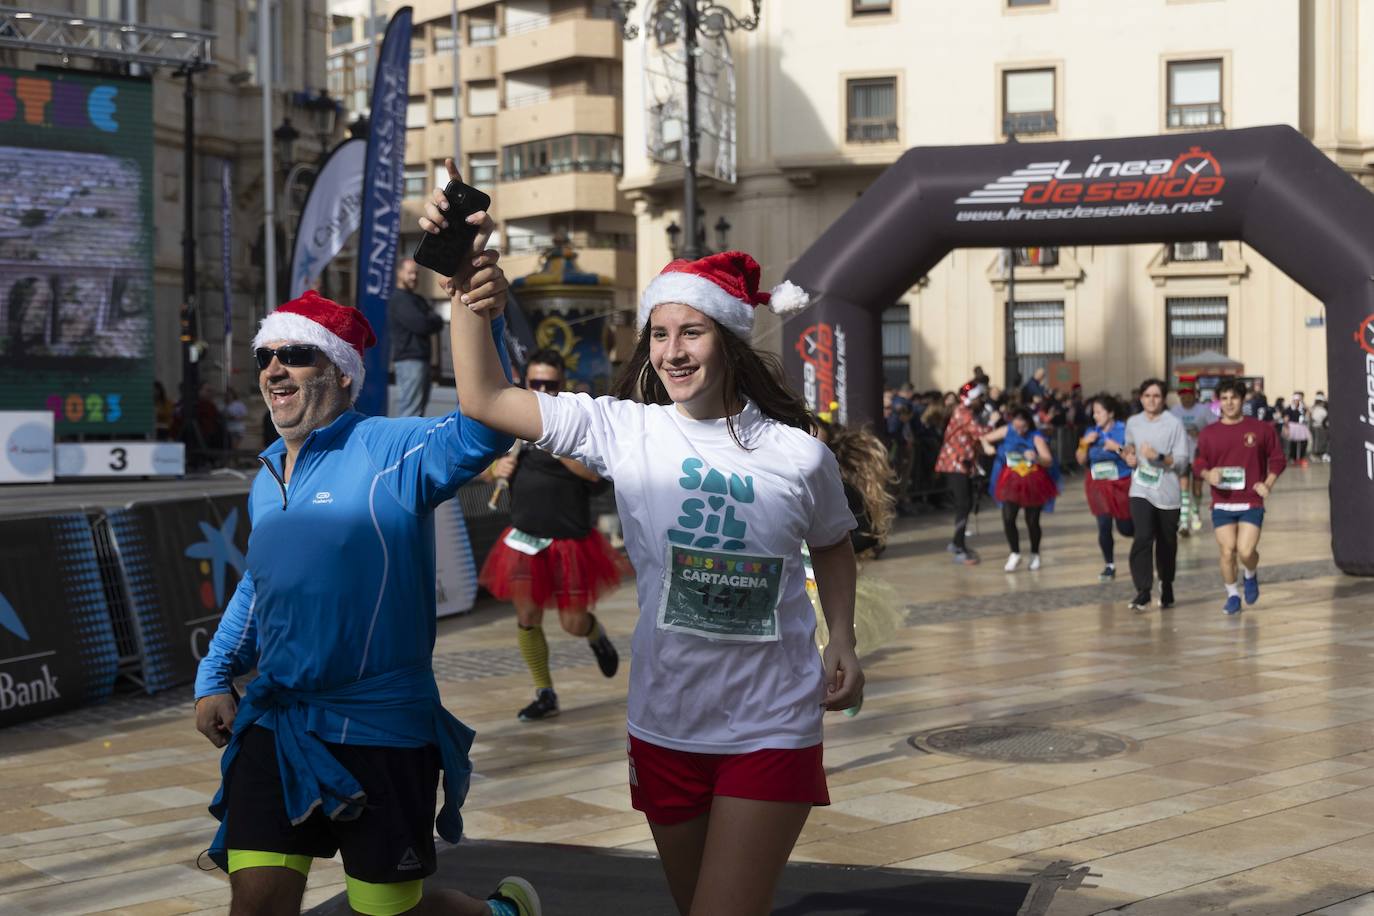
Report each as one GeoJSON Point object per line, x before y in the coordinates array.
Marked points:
{"type": "Point", "coordinates": [181, 560]}
{"type": "Point", "coordinates": [57, 645]}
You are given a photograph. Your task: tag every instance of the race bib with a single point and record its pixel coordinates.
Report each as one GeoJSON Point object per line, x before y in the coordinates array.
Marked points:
{"type": "Point", "coordinates": [526, 543]}
{"type": "Point", "coordinates": [1149, 475]}
{"type": "Point", "coordinates": [1105, 470]}
{"type": "Point", "coordinates": [1232, 479]}
{"type": "Point", "coordinates": [721, 595]}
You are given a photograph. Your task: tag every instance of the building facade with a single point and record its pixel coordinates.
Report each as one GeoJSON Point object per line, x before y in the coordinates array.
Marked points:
{"type": "Point", "coordinates": [831, 94]}
{"type": "Point", "coordinates": [538, 124]}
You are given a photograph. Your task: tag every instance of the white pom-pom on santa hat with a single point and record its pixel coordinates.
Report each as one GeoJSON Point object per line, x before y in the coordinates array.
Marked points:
{"type": "Point", "coordinates": [788, 298]}
{"type": "Point", "coordinates": [724, 286]}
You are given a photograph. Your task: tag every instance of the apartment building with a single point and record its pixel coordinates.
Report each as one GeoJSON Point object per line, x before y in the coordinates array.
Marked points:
{"type": "Point", "coordinates": [830, 94]}
{"type": "Point", "coordinates": [536, 124]}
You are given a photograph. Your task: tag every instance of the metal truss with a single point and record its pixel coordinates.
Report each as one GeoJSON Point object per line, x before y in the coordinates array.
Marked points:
{"type": "Point", "coordinates": [104, 39]}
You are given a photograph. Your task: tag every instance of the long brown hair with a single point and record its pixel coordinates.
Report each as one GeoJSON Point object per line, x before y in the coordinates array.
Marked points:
{"type": "Point", "coordinates": [748, 373]}
{"type": "Point", "coordinates": [864, 465]}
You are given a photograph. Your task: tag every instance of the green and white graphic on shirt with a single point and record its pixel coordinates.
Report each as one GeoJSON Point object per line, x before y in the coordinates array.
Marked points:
{"type": "Point", "coordinates": [1149, 475]}
{"type": "Point", "coordinates": [1105, 470]}
{"type": "Point", "coordinates": [721, 595]}
{"type": "Point", "coordinates": [1232, 478]}
{"type": "Point", "coordinates": [709, 520]}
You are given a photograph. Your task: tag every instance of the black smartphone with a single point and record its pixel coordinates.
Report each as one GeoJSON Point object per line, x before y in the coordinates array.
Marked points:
{"type": "Point", "coordinates": [446, 251]}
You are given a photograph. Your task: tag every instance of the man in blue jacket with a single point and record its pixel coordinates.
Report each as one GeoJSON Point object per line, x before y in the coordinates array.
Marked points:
{"type": "Point", "coordinates": [339, 741]}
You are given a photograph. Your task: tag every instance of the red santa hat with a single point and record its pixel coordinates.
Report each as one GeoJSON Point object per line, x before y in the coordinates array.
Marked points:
{"type": "Point", "coordinates": [970, 392]}
{"type": "Point", "coordinates": [340, 331]}
{"type": "Point", "coordinates": [724, 286]}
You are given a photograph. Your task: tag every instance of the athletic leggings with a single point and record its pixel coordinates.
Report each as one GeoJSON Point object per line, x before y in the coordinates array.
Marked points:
{"type": "Point", "coordinates": [1156, 532]}
{"type": "Point", "coordinates": [1009, 511]}
{"type": "Point", "coordinates": [1297, 449]}
{"type": "Point", "coordinates": [961, 488]}
{"type": "Point", "coordinates": [1124, 526]}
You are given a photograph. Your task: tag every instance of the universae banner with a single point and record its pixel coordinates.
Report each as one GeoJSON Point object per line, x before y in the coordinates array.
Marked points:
{"type": "Point", "coordinates": [332, 211]}
{"type": "Point", "coordinates": [383, 187]}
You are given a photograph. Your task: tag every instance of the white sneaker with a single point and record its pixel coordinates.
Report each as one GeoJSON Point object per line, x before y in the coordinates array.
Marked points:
{"type": "Point", "coordinates": [1035, 562]}
{"type": "Point", "coordinates": [1012, 561]}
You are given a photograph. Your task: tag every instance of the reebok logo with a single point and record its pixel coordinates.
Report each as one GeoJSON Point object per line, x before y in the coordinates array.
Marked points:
{"type": "Point", "coordinates": [323, 497]}
{"type": "Point", "coordinates": [410, 861]}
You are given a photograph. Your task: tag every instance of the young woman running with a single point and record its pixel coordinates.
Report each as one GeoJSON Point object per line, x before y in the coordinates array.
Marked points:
{"type": "Point", "coordinates": [1157, 452]}
{"type": "Point", "coordinates": [1108, 484]}
{"type": "Point", "coordinates": [1024, 476]}
{"type": "Point", "coordinates": [719, 482]}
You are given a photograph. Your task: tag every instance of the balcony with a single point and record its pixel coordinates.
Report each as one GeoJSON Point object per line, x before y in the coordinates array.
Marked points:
{"type": "Point", "coordinates": [477, 63]}
{"type": "Point", "coordinates": [871, 130]}
{"type": "Point", "coordinates": [419, 84]}
{"type": "Point", "coordinates": [556, 117]}
{"type": "Point", "coordinates": [431, 10]}
{"type": "Point", "coordinates": [1026, 123]}
{"type": "Point", "coordinates": [569, 39]}
{"type": "Point", "coordinates": [1190, 116]}
{"type": "Point", "coordinates": [479, 134]}
{"type": "Point", "coordinates": [438, 140]}
{"type": "Point", "coordinates": [438, 69]}
{"type": "Point", "coordinates": [567, 193]}
{"type": "Point", "coordinates": [608, 254]}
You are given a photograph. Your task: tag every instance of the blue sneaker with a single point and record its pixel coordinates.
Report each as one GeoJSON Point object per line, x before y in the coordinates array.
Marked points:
{"type": "Point", "coordinates": [1252, 589]}
{"type": "Point", "coordinates": [1232, 605]}
{"type": "Point", "coordinates": [514, 897]}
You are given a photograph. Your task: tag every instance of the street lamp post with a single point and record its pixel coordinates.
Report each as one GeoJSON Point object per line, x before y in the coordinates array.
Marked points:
{"type": "Point", "coordinates": [666, 18]}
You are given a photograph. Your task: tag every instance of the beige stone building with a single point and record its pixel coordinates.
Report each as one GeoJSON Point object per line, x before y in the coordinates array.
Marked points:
{"type": "Point", "coordinates": [829, 94]}
{"type": "Point", "coordinates": [538, 126]}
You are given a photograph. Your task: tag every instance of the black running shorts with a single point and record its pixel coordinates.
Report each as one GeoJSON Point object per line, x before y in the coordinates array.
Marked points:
{"type": "Point", "coordinates": [393, 839]}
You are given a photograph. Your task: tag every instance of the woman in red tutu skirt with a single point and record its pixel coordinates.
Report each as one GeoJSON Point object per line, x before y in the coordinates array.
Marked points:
{"type": "Point", "coordinates": [551, 554]}
{"type": "Point", "coordinates": [1108, 484]}
{"type": "Point", "coordinates": [1024, 476]}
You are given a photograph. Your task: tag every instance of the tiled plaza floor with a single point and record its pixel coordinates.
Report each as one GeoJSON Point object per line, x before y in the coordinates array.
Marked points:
{"type": "Point", "coordinates": [1249, 787]}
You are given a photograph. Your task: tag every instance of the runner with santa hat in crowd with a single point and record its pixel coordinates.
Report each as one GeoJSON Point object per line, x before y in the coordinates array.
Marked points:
{"type": "Point", "coordinates": [958, 463]}
{"type": "Point", "coordinates": [719, 483]}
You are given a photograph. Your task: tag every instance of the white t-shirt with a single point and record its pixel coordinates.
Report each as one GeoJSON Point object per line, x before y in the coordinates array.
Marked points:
{"type": "Point", "coordinates": [724, 657]}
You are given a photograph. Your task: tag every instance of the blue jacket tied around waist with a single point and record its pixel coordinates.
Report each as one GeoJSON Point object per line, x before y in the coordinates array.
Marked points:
{"type": "Point", "coordinates": [337, 606]}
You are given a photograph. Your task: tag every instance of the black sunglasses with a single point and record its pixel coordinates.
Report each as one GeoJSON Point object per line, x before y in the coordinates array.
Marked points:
{"type": "Point", "coordinates": [295, 355]}
{"type": "Point", "coordinates": [544, 384]}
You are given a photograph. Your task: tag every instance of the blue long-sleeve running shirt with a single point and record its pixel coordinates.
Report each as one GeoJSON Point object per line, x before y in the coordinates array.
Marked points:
{"type": "Point", "coordinates": [340, 579]}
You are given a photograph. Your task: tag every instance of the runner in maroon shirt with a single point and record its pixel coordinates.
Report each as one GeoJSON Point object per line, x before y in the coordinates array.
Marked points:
{"type": "Point", "coordinates": [1240, 457]}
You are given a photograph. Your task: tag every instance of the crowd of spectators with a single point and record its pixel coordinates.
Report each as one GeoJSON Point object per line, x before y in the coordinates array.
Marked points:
{"type": "Point", "coordinates": [914, 421]}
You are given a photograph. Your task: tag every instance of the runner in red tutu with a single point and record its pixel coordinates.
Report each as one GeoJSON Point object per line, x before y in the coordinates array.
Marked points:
{"type": "Point", "coordinates": [1024, 476]}
{"type": "Point", "coordinates": [551, 554]}
{"type": "Point", "coordinates": [1108, 484]}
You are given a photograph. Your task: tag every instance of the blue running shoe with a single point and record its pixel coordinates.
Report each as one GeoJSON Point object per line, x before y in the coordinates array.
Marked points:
{"type": "Point", "coordinates": [1232, 605]}
{"type": "Point", "coordinates": [1252, 589]}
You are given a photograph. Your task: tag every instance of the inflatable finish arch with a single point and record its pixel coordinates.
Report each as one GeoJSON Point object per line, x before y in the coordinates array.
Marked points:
{"type": "Point", "coordinates": [1267, 186]}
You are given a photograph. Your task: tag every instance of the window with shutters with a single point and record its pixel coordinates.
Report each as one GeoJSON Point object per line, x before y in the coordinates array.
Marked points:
{"type": "Point", "coordinates": [871, 112]}
{"type": "Point", "coordinates": [1039, 329]}
{"type": "Point", "coordinates": [896, 327]}
{"type": "Point", "coordinates": [1196, 324]}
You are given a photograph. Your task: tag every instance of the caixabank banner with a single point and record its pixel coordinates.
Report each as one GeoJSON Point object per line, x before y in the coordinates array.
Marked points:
{"type": "Point", "coordinates": [181, 560]}
{"type": "Point", "coordinates": [57, 645]}
{"type": "Point", "coordinates": [76, 256]}
{"type": "Point", "coordinates": [1266, 186]}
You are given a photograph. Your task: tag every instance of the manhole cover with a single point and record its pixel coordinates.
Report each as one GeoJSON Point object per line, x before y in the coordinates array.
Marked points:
{"type": "Point", "coordinates": [1022, 743]}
